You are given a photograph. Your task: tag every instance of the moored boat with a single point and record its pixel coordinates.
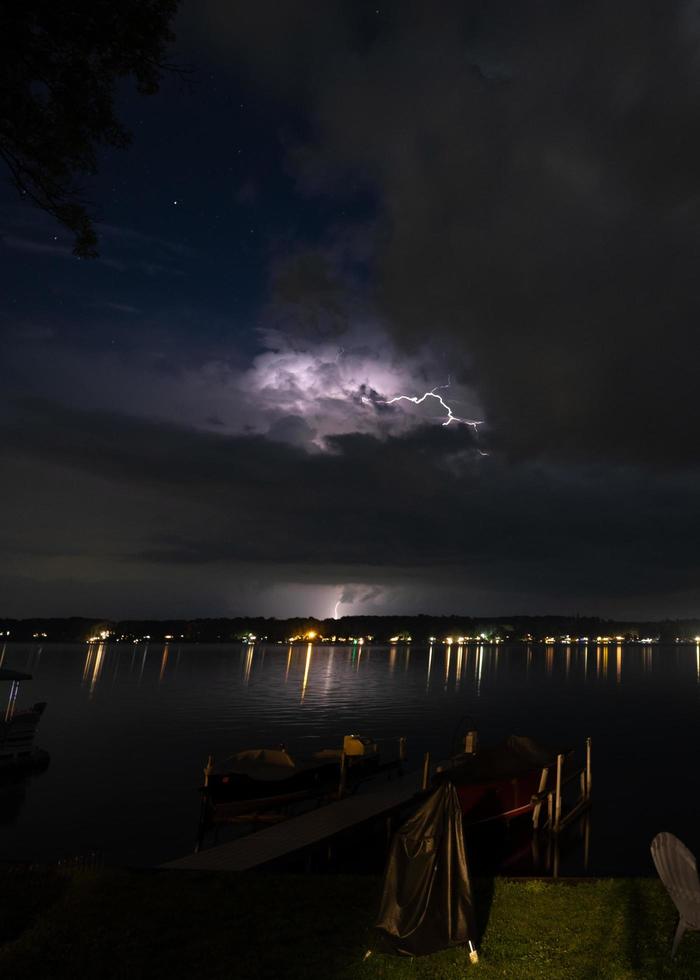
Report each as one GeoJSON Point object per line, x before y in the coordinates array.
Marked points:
{"type": "Point", "coordinates": [499, 782]}
{"type": "Point", "coordinates": [17, 730]}
{"type": "Point", "coordinates": [255, 774]}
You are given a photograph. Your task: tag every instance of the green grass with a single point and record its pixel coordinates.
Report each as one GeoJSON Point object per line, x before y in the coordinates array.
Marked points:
{"type": "Point", "coordinates": [159, 924]}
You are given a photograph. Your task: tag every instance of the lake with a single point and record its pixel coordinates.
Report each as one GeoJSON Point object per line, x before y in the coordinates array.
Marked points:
{"type": "Point", "coordinates": [129, 728]}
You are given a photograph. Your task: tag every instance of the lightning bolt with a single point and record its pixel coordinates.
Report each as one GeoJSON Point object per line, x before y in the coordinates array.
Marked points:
{"type": "Point", "coordinates": [419, 399]}
{"type": "Point", "coordinates": [335, 609]}
{"type": "Point", "coordinates": [451, 417]}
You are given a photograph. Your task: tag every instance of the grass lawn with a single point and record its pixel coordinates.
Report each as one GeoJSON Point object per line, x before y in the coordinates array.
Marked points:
{"type": "Point", "coordinates": [167, 924]}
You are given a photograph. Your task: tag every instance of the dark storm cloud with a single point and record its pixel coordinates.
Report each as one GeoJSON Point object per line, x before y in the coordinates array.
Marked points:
{"type": "Point", "coordinates": [538, 168]}
{"type": "Point", "coordinates": [394, 510]}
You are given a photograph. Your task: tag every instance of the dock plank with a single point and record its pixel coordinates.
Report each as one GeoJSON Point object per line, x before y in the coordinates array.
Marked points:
{"type": "Point", "coordinates": [302, 831]}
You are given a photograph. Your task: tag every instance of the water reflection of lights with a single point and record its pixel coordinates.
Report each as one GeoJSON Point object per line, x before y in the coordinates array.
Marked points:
{"type": "Point", "coordinates": [458, 669]}
{"type": "Point", "coordinates": [618, 656]}
{"type": "Point", "coordinates": [448, 651]}
{"type": "Point", "coordinates": [247, 665]}
{"type": "Point", "coordinates": [306, 670]}
{"type": "Point", "coordinates": [93, 665]}
{"type": "Point", "coordinates": [289, 660]}
{"type": "Point", "coordinates": [697, 660]}
{"type": "Point", "coordinates": [164, 662]}
{"type": "Point", "coordinates": [392, 658]}
{"type": "Point", "coordinates": [479, 665]}
{"type": "Point", "coordinates": [430, 664]}
{"type": "Point", "coordinates": [143, 662]}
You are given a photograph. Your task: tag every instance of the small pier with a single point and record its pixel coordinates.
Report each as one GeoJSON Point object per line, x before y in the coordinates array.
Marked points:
{"type": "Point", "coordinates": [306, 830]}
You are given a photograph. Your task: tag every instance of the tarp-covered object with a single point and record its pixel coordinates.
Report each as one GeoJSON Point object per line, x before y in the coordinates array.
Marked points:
{"type": "Point", "coordinates": [427, 902]}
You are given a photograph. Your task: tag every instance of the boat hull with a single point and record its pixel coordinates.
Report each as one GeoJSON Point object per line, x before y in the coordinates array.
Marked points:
{"type": "Point", "coordinates": [502, 799]}
{"type": "Point", "coordinates": [499, 782]}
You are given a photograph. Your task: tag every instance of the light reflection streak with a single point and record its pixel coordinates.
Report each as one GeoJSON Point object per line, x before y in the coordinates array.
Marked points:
{"type": "Point", "coordinates": [549, 660]}
{"type": "Point", "coordinates": [164, 662]}
{"type": "Point", "coordinates": [143, 662]}
{"type": "Point", "coordinates": [697, 660]}
{"type": "Point", "coordinates": [585, 662]}
{"type": "Point", "coordinates": [458, 669]}
{"type": "Point", "coordinates": [618, 657]}
{"type": "Point", "coordinates": [97, 668]}
{"type": "Point", "coordinates": [90, 653]}
{"type": "Point", "coordinates": [448, 651]}
{"type": "Point", "coordinates": [597, 662]}
{"type": "Point", "coordinates": [392, 659]}
{"type": "Point", "coordinates": [306, 671]}
{"type": "Point", "coordinates": [430, 664]}
{"type": "Point", "coordinates": [479, 664]}
{"type": "Point", "coordinates": [247, 665]}
{"type": "Point", "coordinates": [289, 660]}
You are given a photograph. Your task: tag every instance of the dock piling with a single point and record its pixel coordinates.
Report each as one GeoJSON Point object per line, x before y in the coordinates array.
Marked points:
{"type": "Point", "coordinates": [588, 768]}
{"type": "Point", "coordinates": [557, 794]}
{"type": "Point", "coordinates": [343, 774]}
{"type": "Point", "coordinates": [425, 781]}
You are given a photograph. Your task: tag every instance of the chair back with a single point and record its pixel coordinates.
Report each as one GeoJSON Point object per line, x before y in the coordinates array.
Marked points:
{"type": "Point", "coordinates": [678, 871]}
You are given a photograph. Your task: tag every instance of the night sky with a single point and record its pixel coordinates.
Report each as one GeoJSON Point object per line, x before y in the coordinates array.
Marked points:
{"type": "Point", "coordinates": [347, 203]}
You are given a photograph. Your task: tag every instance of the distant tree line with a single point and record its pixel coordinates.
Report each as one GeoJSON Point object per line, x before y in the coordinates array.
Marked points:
{"type": "Point", "coordinates": [381, 628]}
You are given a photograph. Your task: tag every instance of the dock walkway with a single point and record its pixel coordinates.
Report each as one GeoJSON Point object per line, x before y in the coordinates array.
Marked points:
{"type": "Point", "coordinates": [302, 831]}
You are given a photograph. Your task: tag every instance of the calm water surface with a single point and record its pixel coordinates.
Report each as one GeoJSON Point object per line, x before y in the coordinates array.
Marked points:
{"type": "Point", "coordinates": [129, 729]}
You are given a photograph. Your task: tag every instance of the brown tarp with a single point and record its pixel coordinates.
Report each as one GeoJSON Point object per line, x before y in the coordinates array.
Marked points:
{"type": "Point", "coordinates": [427, 901]}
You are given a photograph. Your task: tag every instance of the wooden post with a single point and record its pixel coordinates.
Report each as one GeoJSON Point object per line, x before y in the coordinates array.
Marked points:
{"type": "Point", "coordinates": [343, 774]}
{"type": "Point", "coordinates": [557, 799]}
{"type": "Point", "coordinates": [425, 782]}
{"type": "Point", "coordinates": [402, 749]}
{"type": "Point", "coordinates": [208, 769]}
{"type": "Point", "coordinates": [588, 768]}
{"type": "Point", "coordinates": [550, 813]}
{"type": "Point", "coordinates": [538, 806]}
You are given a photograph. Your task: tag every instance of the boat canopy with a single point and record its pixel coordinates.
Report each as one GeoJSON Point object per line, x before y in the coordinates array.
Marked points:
{"type": "Point", "coordinates": [514, 757]}
{"type": "Point", "coordinates": [13, 675]}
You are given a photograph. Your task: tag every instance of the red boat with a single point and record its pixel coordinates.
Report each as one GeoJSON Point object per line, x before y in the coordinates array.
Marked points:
{"type": "Point", "coordinates": [498, 782]}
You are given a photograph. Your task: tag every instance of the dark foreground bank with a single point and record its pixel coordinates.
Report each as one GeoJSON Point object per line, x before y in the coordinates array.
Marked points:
{"type": "Point", "coordinates": [162, 924]}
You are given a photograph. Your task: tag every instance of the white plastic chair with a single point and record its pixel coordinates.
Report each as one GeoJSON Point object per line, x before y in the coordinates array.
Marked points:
{"type": "Point", "coordinates": [677, 869]}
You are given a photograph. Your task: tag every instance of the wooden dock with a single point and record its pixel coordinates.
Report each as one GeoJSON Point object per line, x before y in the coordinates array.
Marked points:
{"type": "Point", "coordinates": [303, 831]}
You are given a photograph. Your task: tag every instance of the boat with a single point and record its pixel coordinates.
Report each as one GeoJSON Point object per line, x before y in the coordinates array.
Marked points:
{"type": "Point", "coordinates": [255, 775]}
{"type": "Point", "coordinates": [499, 782]}
{"type": "Point", "coordinates": [260, 785]}
{"type": "Point", "coordinates": [18, 754]}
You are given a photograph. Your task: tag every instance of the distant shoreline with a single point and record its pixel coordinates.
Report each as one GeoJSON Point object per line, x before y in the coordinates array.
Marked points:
{"type": "Point", "coordinates": [417, 629]}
